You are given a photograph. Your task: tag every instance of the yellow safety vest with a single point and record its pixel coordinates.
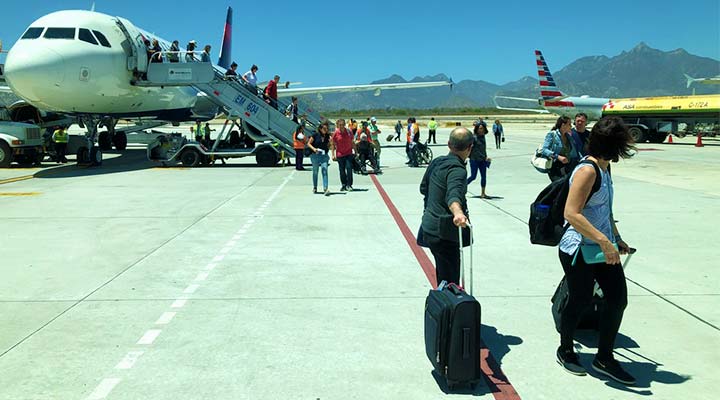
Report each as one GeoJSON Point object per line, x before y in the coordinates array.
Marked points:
{"type": "Point", "coordinates": [60, 136]}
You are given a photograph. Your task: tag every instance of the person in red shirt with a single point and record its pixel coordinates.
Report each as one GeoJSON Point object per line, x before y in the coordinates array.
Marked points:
{"type": "Point", "coordinates": [271, 92]}
{"type": "Point", "coordinates": [343, 147]}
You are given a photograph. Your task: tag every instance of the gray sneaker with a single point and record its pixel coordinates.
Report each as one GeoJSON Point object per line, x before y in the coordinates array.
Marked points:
{"type": "Point", "coordinates": [570, 363]}
{"type": "Point", "coordinates": [613, 369]}
{"type": "Point", "coordinates": [327, 192]}
{"type": "Point", "coordinates": [350, 189]}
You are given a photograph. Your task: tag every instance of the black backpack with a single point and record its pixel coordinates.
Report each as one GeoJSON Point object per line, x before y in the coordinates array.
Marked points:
{"type": "Point", "coordinates": [547, 219]}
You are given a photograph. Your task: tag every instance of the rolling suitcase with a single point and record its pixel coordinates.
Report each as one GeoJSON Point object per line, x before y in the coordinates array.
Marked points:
{"type": "Point", "coordinates": [452, 330]}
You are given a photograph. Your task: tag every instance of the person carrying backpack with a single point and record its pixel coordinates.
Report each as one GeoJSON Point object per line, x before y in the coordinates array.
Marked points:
{"type": "Point", "coordinates": [590, 249]}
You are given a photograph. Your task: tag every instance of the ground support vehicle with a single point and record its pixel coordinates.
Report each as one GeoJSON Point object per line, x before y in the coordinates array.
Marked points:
{"type": "Point", "coordinates": [654, 118]}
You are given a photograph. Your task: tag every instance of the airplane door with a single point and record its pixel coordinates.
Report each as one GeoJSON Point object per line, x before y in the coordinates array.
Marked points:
{"type": "Point", "coordinates": [133, 45]}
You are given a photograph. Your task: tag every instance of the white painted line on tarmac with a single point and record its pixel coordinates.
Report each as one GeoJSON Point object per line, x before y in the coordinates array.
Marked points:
{"type": "Point", "coordinates": [201, 276]}
{"type": "Point", "coordinates": [104, 388]}
{"type": "Point", "coordinates": [230, 244]}
{"type": "Point", "coordinates": [225, 250]}
{"type": "Point", "coordinates": [179, 303]}
{"type": "Point", "coordinates": [210, 267]}
{"type": "Point", "coordinates": [149, 336]}
{"type": "Point", "coordinates": [191, 289]}
{"type": "Point", "coordinates": [237, 237]}
{"type": "Point", "coordinates": [129, 360]}
{"type": "Point", "coordinates": [218, 258]}
{"type": "Point", "coordinates": [165, 318]}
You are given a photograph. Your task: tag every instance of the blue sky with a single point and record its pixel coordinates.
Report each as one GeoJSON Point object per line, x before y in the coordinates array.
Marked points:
{"type": "Point", "coordinates": [333, 43]}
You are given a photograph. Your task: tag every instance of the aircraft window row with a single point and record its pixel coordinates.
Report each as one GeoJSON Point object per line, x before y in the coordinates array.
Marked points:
{"type": "Point", "coordinates": [60, 33]}
{"type": "Point", "coordinates": [84, 34]}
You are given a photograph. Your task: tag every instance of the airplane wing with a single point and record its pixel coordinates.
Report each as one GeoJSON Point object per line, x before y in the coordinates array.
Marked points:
{"type": "Point", "coordinates": [359, 88]}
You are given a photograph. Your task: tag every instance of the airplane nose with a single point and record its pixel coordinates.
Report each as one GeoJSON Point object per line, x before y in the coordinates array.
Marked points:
{"type": "Point", "coordinates": [30, 72]}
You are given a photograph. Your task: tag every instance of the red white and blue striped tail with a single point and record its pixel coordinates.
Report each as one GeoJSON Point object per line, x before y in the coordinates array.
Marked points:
{"type": "Point", "coordinates": [548, 88]}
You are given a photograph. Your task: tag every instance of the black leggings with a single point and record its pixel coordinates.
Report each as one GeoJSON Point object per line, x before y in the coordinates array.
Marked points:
{"type": "Point", "coordinates": [581, 279]}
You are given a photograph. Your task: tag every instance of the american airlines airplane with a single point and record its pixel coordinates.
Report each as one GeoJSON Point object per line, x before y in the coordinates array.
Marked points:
{"type": "Point", "coordinates": [553, 100]}
{"type": "Point", "coordinates": [84, 63]}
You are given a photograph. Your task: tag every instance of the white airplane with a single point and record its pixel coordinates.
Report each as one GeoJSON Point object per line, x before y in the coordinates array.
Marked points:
{"type": "Point", "coordinates": [708, 81]}
{"type": "Point", "coordinates": [555, 101]}
{"type": "Point", "coordinates": [83, 63]}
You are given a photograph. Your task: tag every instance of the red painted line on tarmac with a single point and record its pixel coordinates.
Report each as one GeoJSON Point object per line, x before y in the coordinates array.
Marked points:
{"type": "Point", "coordinates": [496, 380]}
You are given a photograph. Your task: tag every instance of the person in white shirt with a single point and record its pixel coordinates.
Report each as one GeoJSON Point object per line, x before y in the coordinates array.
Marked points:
{"type": "Point", "coordinates": [250, 78]}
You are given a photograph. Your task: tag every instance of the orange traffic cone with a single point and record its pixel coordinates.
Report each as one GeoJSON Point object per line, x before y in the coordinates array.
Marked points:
{"type": "Point", "coordinates": [670, 139]}
{"type": "Point", "coordinates": [699, 142]}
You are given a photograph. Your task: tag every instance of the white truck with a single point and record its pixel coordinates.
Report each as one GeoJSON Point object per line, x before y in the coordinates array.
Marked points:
{"type": "Point", "coordinates": [20, 143]}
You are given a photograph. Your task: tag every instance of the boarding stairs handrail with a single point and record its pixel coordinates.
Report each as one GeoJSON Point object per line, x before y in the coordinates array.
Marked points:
{"type": "Point", "coordinates": [234, 97]}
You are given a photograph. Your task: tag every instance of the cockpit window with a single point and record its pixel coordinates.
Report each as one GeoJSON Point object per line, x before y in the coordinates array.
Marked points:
{"type": "Point", "coordinates": [86, 36]}
{"type": "Point", "coordinates": [60, 33]}
{"type": "Point", "coordinates": [102, 39]}
{"type": "Point", "coordinates": [32, 33]}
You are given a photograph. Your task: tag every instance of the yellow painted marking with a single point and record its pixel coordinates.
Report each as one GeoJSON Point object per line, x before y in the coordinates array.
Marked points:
{"type": "Point", "coordinates": [17, 179]}
{"type": "Point", "coordinates": [19, 194]}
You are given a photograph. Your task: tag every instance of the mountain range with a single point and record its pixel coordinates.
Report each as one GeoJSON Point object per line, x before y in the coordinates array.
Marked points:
{"type": "Point", "coordinates": [641, 71]}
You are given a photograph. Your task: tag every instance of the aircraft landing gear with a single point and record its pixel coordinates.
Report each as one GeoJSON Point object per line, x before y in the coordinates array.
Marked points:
{"type": "Point", "coordinates": [90, 154]}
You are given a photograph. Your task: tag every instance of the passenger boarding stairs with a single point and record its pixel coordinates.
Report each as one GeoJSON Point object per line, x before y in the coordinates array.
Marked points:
{"type": "Point", "coordinates": [234, 97]}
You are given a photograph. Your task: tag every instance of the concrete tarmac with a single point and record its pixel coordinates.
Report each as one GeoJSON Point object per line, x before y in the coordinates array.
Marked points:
{"type": "Point", "coordinates": [131, 281]}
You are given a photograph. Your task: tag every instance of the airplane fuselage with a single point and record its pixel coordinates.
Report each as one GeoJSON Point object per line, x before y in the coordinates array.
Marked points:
{"type": "Point", "coordinates": [569, 106]}
{"type": "Point", "coordinates": [71, 75]}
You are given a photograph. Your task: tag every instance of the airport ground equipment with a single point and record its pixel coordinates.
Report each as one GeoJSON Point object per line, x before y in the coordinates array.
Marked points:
{"type": "Point", "coordinates": [19, 142]}
{"type": "Point", "coordinates": [230, 143]}
{"type": "Point", "coordinates": [653, 118]}
{"type": "Point", "coordinates": [259, 120]}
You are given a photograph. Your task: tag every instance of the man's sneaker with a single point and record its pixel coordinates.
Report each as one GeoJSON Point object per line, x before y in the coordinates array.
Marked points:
{"type": "Point", "coordinates": [327, 192]}
{"type": "Point", "coordinates": [570, 363]}
{"type": "Point", "coordinates": [314, 190]}
{"type": "Point", "coordinates": [613, 369]}
{"type": "Point", "coordinates": [349, 189]}
{"type": "Point", "coordinates": [343, 189]}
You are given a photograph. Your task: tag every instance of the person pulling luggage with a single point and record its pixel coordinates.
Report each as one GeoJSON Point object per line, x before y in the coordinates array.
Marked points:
{"type": "Point", "coordinates": [444, 186]}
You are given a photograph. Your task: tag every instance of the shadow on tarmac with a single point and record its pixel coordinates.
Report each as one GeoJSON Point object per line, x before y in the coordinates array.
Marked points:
{"type": "Point", "coordinates": [499, 345]}
{"type": "Point", "coordinates": [129, 160]}
{"type": "Point", "coordinates": [644, 369]}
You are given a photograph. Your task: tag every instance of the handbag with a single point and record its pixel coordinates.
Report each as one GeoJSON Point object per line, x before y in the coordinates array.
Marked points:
{"type": "Point", "coordinates": [542, 164]}
{"type": "Point", "coordinates": [592, 253]}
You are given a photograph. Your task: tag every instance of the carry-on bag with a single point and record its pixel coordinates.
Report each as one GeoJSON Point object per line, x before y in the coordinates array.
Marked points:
{"type": "Point", "coordinates": [590, 318]}
{"type": "Point", "coordinates": [452, 329]}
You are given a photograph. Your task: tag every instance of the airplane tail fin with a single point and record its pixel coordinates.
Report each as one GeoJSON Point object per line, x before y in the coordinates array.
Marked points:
{"type": "Point", "coordinates": [548, 88]}
{"type": "Point", "coordinates": [226, 49]}
{"type": "Point", "coordinates": [690, 80]}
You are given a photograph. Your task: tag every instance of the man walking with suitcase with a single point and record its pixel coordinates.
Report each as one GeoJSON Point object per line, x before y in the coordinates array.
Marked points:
{"type": "Point", "coordinates": [444, 187]}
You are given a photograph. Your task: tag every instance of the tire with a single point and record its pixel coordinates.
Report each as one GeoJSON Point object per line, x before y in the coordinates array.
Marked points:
{"type": "Point", "coordinates": [120, 141]}
{"type": "Point", "coordinates": [96, 156]}
{"type": "Point", "coordinates": [266, 157]}
{"type": "Point", "coordinates": [428, 155]}
{"type": "Point", "coordinates": [637, 134]}
{"type": "Point", "coordinates": [104, 141]}
{"type": "Point", "coordinates": [83, 156]}
{"type": "Point", "coordinates": [190, 158]}
{"type": "Point", "coordinates": [6, 155]}
{"type": "Point", "coordinates": [657, 137]}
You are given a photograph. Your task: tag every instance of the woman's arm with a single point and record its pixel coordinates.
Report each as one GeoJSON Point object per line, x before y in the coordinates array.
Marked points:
{"type": "Point", "coordinates": [580, 189]}
{"type": "Point", "coordinates": [548, 150]}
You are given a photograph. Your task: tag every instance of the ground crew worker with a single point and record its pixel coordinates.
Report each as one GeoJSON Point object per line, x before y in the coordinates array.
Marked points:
{"type": "Point", "coordinates": [374, 135]}
{"type": "Point", "coordinates": [207, 132]}
{"type": "Point", "coordinates": [299, 143]}
{"type": "Point", "coordinates": [60, 137]}
{"type": "Point", "coordinates": [432, 127]}
{"type": "Point", "coordinates": [198, 132]}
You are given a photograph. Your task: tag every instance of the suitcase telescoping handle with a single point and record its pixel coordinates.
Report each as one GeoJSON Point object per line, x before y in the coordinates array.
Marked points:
{"type": "Point", "coordinates": [462, 258]}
